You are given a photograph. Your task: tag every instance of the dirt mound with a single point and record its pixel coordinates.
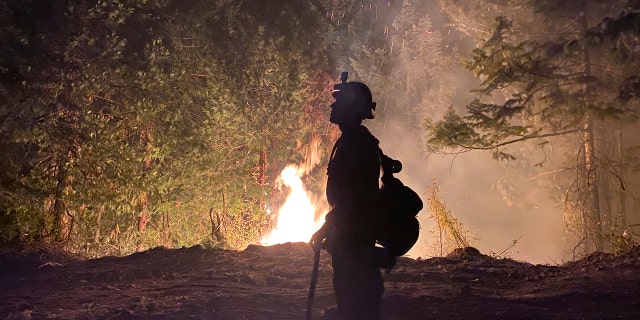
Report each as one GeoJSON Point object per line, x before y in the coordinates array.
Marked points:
{"type": "Point", "coordinates": [22, 260]}
{"type": "Point", "coordinates": [272, 283]}
{"type": "Point", "coordinates": [465, 253]}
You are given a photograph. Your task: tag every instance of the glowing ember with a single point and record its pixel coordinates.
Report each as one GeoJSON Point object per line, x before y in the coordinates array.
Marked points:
{"type": "Point", "coordinates": [296, 219]}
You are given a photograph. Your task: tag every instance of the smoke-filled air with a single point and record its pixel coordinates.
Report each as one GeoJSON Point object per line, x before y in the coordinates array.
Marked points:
{"type": "Point", "coordinates": [130, 126]}
{"type": "Point", "coordinates": [219, 159]}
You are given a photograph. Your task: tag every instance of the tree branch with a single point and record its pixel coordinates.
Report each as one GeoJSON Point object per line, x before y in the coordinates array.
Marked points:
{"type": "Point", "coordinates": [347, 18]}
{"type": "Point", "coordinates": [552, 134]}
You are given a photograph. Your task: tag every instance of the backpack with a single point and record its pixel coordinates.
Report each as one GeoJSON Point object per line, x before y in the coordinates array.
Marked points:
{"type": "Point", "coordinates": [398, 227]}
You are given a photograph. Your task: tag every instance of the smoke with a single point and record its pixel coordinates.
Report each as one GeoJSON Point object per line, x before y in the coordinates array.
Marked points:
{"type": "Point", "coordinates": [497, 206]}
{"type": "Point", "coordinates": [469, 188]}
{"type": "Point", "coordinates": [512, 208]}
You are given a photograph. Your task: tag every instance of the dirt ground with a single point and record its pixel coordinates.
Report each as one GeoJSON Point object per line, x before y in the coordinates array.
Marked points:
{"type": "Point", "coordinates": [272, 283]}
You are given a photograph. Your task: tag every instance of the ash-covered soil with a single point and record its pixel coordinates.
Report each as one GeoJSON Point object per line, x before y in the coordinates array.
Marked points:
{"type": "Point", "coordinates": [272, 283]}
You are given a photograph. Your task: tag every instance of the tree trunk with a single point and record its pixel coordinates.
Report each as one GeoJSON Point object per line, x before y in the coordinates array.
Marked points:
{"type": "Point", "coordinates": [142, 220]}
{"type": "Point", "coordinates": [146, 138]}
{"type": "Point", "coordinates": [622, 209]}
{"type": "Point", "coordinates": [591, 218]}
{"type": "Point", "coordinates": [262, 180]}
{"type": "Point", "coordinates": [58, 209]}
{"type": "Point", "coordinates": [96, 234]}
{"type": "Point", "coordinates": [592, 214]}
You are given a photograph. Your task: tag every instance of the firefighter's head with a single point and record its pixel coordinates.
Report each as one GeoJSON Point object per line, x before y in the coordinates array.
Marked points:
{"type": "Point", "coordinates": [353, 104]}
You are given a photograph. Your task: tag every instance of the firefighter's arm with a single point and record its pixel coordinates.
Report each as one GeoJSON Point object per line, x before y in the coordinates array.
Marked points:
{"type": "Point", "coordinates": [319, 237]}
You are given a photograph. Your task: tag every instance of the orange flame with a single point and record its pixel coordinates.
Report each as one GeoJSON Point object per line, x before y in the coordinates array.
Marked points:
{"type": "Point", "coordinates": [296, 218]}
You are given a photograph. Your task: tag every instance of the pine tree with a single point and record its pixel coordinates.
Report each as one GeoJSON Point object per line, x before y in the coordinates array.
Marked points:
{"type": "Point", "coordinates": [546, 86]}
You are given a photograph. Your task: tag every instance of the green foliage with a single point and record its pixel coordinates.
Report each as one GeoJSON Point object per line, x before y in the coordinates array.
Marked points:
{"type": "Point", "coordinates": [530, 90]}
{"type": "Point", "coordinates": [623, 242]}
{"type": "Point", "coordinates": [571, 90]}
{"type": "Point", "coordinates": [452, 131]}
{"type": "Point", "coordinates": [126, 123]}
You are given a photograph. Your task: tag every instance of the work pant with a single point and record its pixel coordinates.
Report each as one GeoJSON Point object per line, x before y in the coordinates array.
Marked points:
{"type": "Point", "coordinates": [357, 283]}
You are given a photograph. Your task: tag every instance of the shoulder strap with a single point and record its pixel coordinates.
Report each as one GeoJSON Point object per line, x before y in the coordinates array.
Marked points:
{"type": "Point", "coordinates": [333, 151]}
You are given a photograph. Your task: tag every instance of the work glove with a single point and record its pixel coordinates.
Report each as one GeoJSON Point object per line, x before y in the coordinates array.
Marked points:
{"type": "Point", "coordinates": [319, 237]}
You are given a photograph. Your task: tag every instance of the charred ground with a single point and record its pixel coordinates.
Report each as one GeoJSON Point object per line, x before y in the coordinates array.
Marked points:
{"type": "Point", "coordinates": [272, 283]}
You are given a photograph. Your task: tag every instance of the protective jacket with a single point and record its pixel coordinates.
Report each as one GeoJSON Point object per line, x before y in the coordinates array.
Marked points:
{"type": "Point", "coordinates": [353, 186]}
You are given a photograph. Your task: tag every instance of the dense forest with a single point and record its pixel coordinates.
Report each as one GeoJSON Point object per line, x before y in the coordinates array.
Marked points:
{"type": "Point", "coordinates": [127, 125]}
